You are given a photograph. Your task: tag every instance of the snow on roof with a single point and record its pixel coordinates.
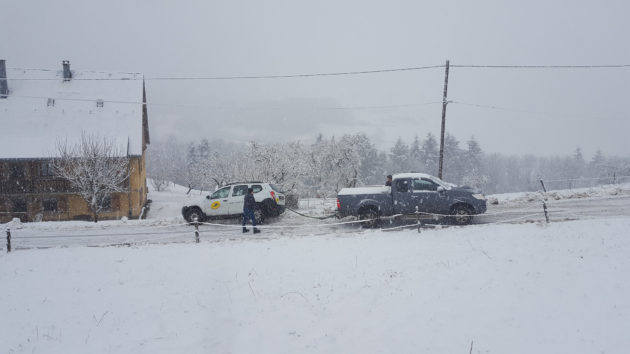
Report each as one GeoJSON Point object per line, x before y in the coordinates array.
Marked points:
{"type": "Point", "coordinates": [424, 175]}
{"type": "Point", "coordinates": [365, 190]}
{"type": "Point", "coordinates": [31, 124]}
{"type": "Point", "coordinates": [412, 175]}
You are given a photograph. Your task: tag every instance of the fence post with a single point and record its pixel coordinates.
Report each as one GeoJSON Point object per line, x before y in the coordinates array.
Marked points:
{"type": "Point", "coordinates": [8, 240]}
{"type": "Point", "coordinates": [543, 185]}
{"type": "Point", "coordinates": [545, 209]}
{"type": "Point", "coordinates": [196, 231]}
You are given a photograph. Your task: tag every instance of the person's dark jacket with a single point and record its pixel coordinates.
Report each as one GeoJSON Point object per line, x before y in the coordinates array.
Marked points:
{"type": "Point", "coordinates": [250, 202]}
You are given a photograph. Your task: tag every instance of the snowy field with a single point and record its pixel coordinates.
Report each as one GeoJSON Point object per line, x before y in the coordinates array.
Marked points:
{"type": "Point", "coordinates": [518, 287]}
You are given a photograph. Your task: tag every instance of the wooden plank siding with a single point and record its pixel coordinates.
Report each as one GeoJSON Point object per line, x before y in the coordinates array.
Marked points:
{"type": "Point", "coordinates": [29, 192]}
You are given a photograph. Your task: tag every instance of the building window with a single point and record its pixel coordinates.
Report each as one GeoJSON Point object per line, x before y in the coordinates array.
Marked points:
{"type": "Point", "coordinates": [50, 205]}
{"type": "Point", "coordinates": [46, 169]}
{"type": "Point", "coordinates": [16, 171]}
{"type": "Point", "coordinates": [19, 206]}
{"type": "Point", "coordinates": [107, 203]}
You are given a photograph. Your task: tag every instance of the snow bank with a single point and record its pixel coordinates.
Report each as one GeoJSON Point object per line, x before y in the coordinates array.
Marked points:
{"type": "Point", "coordinates": [600, 191]}
{"type": "Point", "coordinates": [557, 288]}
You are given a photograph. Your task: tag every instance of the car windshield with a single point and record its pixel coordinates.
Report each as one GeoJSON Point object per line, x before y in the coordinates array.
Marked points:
{"type": "Point", "coordinates": [276, 188]}
{"type": "Point", "coordinates": [446, 185]}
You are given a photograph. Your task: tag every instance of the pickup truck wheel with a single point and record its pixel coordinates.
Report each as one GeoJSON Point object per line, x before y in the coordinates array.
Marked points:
{"type": "Point", "coordinates": [461, 215]}
{"type": "Point", "coordinates": [194, 214]}
{"type": "Point", "coordinates": [371, 216]}
{"type": "Point", "coordinates": [259, 215]}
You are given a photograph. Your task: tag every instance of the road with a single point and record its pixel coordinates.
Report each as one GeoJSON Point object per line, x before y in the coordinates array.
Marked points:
{"type": "Point", "coordinates": [135, 233]}
{"type": "Point", "coordinates": [558, 210]}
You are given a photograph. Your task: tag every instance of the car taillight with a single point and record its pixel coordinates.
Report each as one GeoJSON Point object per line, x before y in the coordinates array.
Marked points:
{"type": "Point", "coordinates": [338, 204]}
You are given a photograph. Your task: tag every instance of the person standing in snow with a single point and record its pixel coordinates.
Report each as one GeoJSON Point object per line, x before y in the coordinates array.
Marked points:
{"type": "Point", "coordinates": [248, 210]}
{"type": "Point", "coordinates": [389, 181]}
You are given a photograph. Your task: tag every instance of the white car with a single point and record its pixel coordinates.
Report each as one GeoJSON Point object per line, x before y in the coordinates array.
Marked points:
{"type": "Point", "coordinates": [227, 202]}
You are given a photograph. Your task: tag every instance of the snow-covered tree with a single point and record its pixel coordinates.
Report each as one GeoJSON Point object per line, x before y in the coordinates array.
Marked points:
{"type": "Point", "coordinates": [414, 160]}
{"type": "Point", "coordinates": [430, 154]}
{"type": "Point", "coordinates": [399, 157]}
{"type": "Point", "coordinates": [165, 163]}
{"type": "Point", "coordinates": [452, 169]}
{"type": "Point", "coordinates": [95, 167]}
{"type": "Point", "coordinates": [474, 175]}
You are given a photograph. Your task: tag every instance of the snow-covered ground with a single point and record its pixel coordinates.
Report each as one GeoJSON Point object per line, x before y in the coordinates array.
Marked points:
{"type": "Point", "coordinates": [307, 286]}
{"type": "Point", "coordinates": [526, 288]}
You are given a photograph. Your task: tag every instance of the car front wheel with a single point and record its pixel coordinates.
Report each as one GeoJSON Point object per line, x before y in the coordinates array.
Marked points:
{"type": "Point", "coordinates": [194, 214]}
{"type": "Point", "coordinates": [461, 215]}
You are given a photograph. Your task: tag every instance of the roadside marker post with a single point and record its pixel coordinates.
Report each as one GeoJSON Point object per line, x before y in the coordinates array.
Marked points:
{"type": "Point", "coordinates": [8, 240]}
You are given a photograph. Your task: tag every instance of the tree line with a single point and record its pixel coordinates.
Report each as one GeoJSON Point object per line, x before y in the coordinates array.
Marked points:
{"type": "Point", "coordinates": [325, 166]}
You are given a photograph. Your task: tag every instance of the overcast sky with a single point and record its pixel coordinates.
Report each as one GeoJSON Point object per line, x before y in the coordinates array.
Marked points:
{"type": "Point", "coordinates": [539, 111]}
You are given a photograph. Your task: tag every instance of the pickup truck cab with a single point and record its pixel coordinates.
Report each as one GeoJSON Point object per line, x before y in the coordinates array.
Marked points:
{"type": "Point", "coordinates": [227, 202]}
{"type": "Point", "coordinates": [413, 195]}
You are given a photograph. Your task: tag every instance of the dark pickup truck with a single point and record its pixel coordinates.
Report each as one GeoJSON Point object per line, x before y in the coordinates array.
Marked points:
{"type": "Point", "coordinates": [412, 195]}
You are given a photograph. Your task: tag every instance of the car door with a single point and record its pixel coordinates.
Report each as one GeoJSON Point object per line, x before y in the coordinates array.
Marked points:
{"type": "Point", "coordinates": [401, 191]}
{"type": "Point", "coordinates": [426, 196]}
{"type": "Point", "coordinates": [237, 199]}
{"type": "Point", "coordinates": [218, 202]}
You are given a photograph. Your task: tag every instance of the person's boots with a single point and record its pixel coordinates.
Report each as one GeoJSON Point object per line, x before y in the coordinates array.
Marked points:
{"type": "Point", "coordinates": [247, 230]}
{"type": "Point", "coordinates": [256, 231]}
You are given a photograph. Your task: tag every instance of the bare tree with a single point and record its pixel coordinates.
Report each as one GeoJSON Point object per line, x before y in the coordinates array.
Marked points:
{"type": "Point", "coordinates": [95, 167]}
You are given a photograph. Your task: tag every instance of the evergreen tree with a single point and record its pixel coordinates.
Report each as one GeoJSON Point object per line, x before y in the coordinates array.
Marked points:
{"type": "Point", "coordinates": [473, 163]}
{"type": "Point", "coordinates": [399, 157]}
{"type": "Point", "coordinates": [430, 155]}
{"type": "Point", "coordinates": [415, 162]}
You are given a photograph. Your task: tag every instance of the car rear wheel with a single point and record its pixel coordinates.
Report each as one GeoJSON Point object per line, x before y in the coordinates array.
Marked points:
{"type": "Point", "coordinates": [370, 216]}
{"type": "Point", "coordinates": [462, 215]}
{"type": "Point", "coordinates": [259, 215]}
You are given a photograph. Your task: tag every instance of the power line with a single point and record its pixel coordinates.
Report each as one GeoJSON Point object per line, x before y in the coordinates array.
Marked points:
{"type": "Point", "coordinates": [298, 75]}
{"type": "Point", "coordinates": [245, 77]}
{"type": "Point", "coordinates": [542, 66]}
{"type": "Point", "coordinates": [308, 75]}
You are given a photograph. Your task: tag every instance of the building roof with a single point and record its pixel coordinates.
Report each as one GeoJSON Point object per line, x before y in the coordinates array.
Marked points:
{"type": "Point", "coordinates": [31, 124]}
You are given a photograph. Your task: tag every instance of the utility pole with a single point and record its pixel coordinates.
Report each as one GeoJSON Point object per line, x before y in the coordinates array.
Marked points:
{"type": "Point", "coordinates": [444, 103]}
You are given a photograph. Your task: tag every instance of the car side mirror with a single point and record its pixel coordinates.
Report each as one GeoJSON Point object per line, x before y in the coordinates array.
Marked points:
{"type": "Point", "coordinates": [440, 189]}
{"type": "Point", "coordinates": [208, 197]}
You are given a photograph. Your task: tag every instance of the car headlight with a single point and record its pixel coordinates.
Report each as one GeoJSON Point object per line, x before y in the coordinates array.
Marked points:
{"type": "Point", "coordinates": [479, 196]}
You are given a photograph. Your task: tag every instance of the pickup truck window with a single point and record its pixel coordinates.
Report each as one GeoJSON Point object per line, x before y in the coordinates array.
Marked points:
{"type": "Point", "coordinates": [256, 188]}
{"type": "Point", "coordinates": [238, 191]}
{"type": "Point", "coordinates": [221, 193]}
{"type": "Point", "coordinates": [402, 185]}
{"type": "Point", "coordinates": [424, 185]}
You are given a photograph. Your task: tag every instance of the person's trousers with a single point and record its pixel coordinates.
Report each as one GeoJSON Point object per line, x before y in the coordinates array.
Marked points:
{"type": "Point", "coordinates": [249, 214]}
